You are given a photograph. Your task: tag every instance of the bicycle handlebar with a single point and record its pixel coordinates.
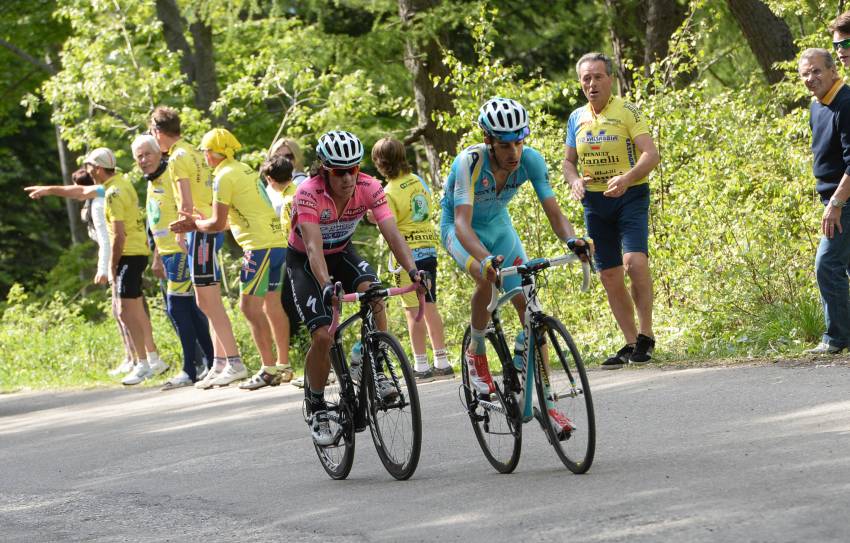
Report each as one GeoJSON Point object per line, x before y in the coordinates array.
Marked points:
{"type": "Point", "coordinates": [373, 294]}
{"type": "Point", "coordinates": [536, 265]}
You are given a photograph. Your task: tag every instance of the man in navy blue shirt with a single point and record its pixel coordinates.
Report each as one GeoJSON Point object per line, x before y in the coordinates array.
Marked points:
{"type": "Point", "coordinates": [830, 123]}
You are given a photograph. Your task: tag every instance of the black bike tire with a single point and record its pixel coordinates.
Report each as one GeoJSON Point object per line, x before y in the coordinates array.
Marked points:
{"type": "Point", "coordinates": [344, 407]}
{"type": "Point", "coordinates": [501, 465]}
{"type": "Point", "coordinates": [405, 469]}
{"type": "Point", "coordinates": [574, 364]}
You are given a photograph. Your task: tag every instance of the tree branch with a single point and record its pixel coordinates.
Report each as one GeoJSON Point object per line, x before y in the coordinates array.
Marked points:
{"type": "Point", "coordinates": [27, 57]}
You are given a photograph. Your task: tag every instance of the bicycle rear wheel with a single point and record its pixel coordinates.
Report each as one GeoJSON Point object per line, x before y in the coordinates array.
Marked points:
{"type": "Point", "coordinates": [395, 423]}
{"type": "Point", "coordinates": [338, 457]}
{"type": "Point", "coordinates": [568, 393]}
{"type": "Point", "coordinates": [495, 421]}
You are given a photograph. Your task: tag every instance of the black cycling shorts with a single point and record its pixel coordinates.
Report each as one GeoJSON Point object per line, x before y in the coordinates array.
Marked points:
{"type": "Point", "coordinates": [346, 267]}
{"type": "Point", "coordinates": [128, 276]}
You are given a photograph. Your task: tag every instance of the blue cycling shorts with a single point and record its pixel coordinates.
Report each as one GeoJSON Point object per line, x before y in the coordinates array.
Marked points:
{"type": "Point", "coordinates": [498, 238]}
{"type": "Point", "coordinates": [617, 225]}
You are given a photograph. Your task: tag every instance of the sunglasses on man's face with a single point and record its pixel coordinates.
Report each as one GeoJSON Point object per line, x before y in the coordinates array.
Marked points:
{"type": "Point", "coordinates": [843, 44]}
{"type": "Point", "coordinates": [340, 172]}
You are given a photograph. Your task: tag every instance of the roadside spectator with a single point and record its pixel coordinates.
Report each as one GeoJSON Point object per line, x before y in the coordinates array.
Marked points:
{"type": "Point", "coordinates": [830, 123]}
{"type": "Point", "coordinates": [409, 198]}
{"type": "Point", "coordinates": [609, 140]}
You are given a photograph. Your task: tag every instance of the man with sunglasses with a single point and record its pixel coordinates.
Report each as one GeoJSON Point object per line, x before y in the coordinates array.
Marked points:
{"type": "Point", "coordinates": [840, 28]}
{"type": "Point", "coordinates": [830, 124]}
{"type": "Point", "coordinates": [476, 228]}
{"type": "Point", "coordinates": [325, 212]}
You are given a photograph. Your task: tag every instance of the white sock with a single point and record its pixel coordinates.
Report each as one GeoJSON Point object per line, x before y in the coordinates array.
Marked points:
{"type": "Point", "coordinates": [143, 363]}
{"type": "Point", "coordinates": [153, 356]}
{"type": "Point", "coordinates": [441, 359]}
{"type": "Point", "coordinates": [271, 370]}
{"type": "Point", "coordinates": [421, 362]}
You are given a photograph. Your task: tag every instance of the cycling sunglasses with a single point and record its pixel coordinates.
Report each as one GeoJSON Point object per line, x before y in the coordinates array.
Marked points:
{"type": "Point", "coordinates": [517, 135]}
{"type": "Point", "coordinates": [339, 172]}
{"type": "Point", "coordinates": [842, 44]}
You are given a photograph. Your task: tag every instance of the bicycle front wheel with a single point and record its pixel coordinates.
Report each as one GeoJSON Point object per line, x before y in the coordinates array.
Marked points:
{"type": "Point", "coordinates": [395, 421]}
{"type": "Point", "coordinates": [495, 421]}
{"type": "Point", "coordinates": [338, 457]}
{"type": "Point", "coordinates": [565, 400]}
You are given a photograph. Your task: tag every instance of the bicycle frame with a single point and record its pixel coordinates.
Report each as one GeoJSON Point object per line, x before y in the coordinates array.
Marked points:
{"type": "Point", "coordinates": [366, 317]}
{"type": "Point", "coordinates": [533, 313]}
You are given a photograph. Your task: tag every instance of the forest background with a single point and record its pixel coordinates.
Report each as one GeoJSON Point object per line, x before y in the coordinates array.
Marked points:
{"type": "Point", "coordinates": [734, 215]}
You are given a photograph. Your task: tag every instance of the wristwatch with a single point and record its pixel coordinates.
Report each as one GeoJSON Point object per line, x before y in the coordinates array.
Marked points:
{"type": "Point", "coordinates": [837, 203]}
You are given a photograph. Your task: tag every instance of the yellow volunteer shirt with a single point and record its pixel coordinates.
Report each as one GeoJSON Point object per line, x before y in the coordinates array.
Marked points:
{"type": "Point", "coordinates": [410, 201]}
{"type": "Point", "coordinates": [286, 195]}
{"type": "Point", "coordinates": [252, 218]}
{"type": "Point", "coordinates": [186, 162]}
{"type": "Point", "coordinates": [161, 208]}
{"type": "Point", "coordinates": [605, 141]}
{"type": "Point", "coordinates": [122, 204]}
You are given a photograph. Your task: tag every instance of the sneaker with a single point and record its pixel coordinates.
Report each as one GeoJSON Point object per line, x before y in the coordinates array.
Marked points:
{"type": "Point", "coordinates": [385, 387]}
{"type": "Point", "coordinates": [620, 359]}
{"type": "Point", "coordinates": [285, 373]}
{"type": "Point", "coordinates": [298, 382]}
{"type": "Point", "coordinates": [181, 380]}
{"type": "Point", "coordinates": [157, 367]}
{"type": "Point", "coordinates": [230, 374]}
{"type": "Point", "coordinates": [479, 374]}
{"type": "Point", "coordinates": [562, 425]}
{"type": "Point", "coordinates": [443, 373]}
{"type": "Point", "coordinates": [206, 382]}
{"type": "Point", "coordinates": [140, 373]}
{"type": "Point", "coordinates": [643, 350]}
{"type": "Point", "coordinates": [424, 376]}
{"type": "Point", "coordinates": [825, 348]}
{"type": "Point", "coordinates": [261, 379]}
{"type": "Point", "coordinates": [122, 368]}
{"type": "Point", "coordinates": [320, 428]}
{"type": "Point", "coordinates": [202, 373]}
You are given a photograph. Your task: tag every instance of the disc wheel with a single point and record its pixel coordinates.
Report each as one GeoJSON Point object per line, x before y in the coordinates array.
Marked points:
{"type": "Point", "coordinates": [494, 421]}
{"type": "Point", "coordinates": [567, 392]}
{"type": "Point", "coordinates": [395, 422]}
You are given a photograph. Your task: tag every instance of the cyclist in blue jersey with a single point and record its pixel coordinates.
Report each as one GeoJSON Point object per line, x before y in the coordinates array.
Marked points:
{"type": "Point", "coordinates": [476, 228]}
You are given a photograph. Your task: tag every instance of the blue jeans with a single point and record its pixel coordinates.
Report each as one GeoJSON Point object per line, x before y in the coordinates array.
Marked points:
{"type": "Point", "coordinates": [832, 266]}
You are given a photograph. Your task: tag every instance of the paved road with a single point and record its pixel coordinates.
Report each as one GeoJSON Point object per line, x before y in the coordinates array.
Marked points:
{"type": "Point", "coordinates": [727, 454]}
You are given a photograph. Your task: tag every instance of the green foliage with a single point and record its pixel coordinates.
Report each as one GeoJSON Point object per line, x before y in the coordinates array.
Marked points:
{"type": "Point", "coordinates": [734, 217]}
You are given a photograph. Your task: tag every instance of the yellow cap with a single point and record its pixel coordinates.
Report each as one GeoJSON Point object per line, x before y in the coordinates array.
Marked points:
{"type": "Point", "coordinates": [221, 141]}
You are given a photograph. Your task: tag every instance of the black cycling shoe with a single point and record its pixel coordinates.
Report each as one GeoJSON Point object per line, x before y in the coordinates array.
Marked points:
{"type": "Point", "coordinates": [643, 350]}
{"type": "Point", "coordinates": [620, 359]}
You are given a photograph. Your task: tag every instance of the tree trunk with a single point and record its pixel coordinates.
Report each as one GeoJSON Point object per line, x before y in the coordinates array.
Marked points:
{"type": "Point", "coordinates": [663, 17]}
{"type": "Point", "coordinates": [197, 66]}
{"type": "Point", "coordinates": [769, 37]}
{"type": "Point", "coordinates": [206, 84]}
{"type": "Point", "coordinates": [424, 59]}
{"type": "Point", "coordinates": [72, 208]}
{"type": "Point", "coordinates": [624, 76]}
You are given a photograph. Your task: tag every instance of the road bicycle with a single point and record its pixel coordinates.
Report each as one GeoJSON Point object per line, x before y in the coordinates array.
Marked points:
{"type": "Point", "coordinates": [550, 364]}
{"type": "Point", "coordinates": [354, 403]}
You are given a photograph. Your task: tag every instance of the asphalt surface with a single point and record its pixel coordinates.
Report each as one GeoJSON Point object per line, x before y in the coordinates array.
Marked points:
{"type": "Point", "coordinates": [739, 454]}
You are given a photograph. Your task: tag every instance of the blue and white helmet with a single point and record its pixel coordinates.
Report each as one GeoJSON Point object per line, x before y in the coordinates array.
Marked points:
{"type": "Point", "coordinates": [504, 119]}
{"type": "Point", "coordinates": [339, 149]}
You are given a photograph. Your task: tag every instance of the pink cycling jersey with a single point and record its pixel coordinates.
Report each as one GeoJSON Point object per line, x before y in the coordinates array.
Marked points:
{"type": "Point", "coordinates": [313, 204]}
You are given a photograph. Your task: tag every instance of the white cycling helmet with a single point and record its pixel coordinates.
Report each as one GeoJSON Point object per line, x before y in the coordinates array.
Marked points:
{"type": "Point", "coordinates": [504, 119]}
{"type": "Point", "coordinates": [339, 149]}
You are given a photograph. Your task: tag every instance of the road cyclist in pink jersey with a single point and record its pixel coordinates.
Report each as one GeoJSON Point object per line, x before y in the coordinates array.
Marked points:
{"type": "Point", "coordinates": [325, 212]}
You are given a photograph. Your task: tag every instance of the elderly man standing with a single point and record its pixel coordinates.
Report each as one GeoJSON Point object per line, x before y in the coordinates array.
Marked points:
{"type": "Point", "coordinates": [830, 123]}
{"type": "Point", "coordinates": [610, 140]}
